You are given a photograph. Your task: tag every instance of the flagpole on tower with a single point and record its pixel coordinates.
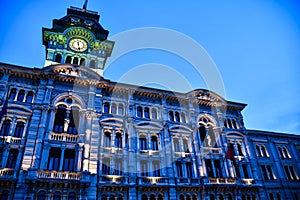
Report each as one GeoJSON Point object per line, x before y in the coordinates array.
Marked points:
{"type": "Point", "coordinates": [85, 6]}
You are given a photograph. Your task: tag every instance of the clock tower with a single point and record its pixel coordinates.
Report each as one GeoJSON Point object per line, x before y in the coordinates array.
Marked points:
{"type": "Point", "coordinates": [78, 39]}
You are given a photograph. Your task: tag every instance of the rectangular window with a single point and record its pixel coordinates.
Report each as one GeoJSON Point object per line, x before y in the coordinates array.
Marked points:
{"type": "Point", "coordinates": [144, 168]}
{"type": "Point", "coordinates": [106, 167]}
{"type": "Point", "coordinates": [246, 175]}
{"type": "Point", "coordinates": [143, 144]}
{"type": "Point", "coordinates": [209, 168]}
{"type": "Point", "coordinates": [179, 169]}
{"type": "Point", "coordinates": [189, 170]}
{"type": "Point", "coordinates": [12, 158]}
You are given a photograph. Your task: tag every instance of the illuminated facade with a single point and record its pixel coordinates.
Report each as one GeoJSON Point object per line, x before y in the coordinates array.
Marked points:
{"type": "Point", "coordinates": [68, 133]}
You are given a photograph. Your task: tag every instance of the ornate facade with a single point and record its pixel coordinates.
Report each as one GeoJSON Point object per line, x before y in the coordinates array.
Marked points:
{"type": "Point", "coordinates": [68, 133]}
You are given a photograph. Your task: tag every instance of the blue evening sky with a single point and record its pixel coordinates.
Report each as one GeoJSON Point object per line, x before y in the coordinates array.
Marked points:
{"type": "Point", "coordinates": [255, 45]}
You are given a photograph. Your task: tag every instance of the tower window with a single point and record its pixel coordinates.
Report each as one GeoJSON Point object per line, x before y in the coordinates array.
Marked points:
{"type": "Point", "coordinates": [75, 60]}
{"type": "Point", "coordinates": [21, 95]}
{"type": "Point", "coordinates": [68, 59]}
{"type": "Point", "coordinates": [171, 116]}
{"type": "Point", "coordinates": [118, 140]}
{"type": "Point", "coordinates": [139, 111]}
{"type": "Point", "coordinates": [29, 97]}
{"type": "Point", "coordinates": [93, 64]}
{"type": "Point", "coordinates": [153, 113]}
{"type": "Point", "coordinates": [146, 113]}
{"type": "Point", "coordinates": [60, 116]}
{"type": "Point", "coordinates": [106, 108]}
{"type": "Point", "coordinates": [177, 117]}
{"type": "Point", "coordinates": [58, 58]}
{"type": "Point", "coordinates": [12, 94]}
{"type": "Point", "coordinates": [82, 62]}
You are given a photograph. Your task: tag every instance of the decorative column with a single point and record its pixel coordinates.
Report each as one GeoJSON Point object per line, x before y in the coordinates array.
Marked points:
{"type": "Point", "coordinates": [5, 156]}
{"type": "Point", "coordinates": [79, 157]}
{"type": "Point", "coordinates": [62, 155]}
{"type": "Point", "coordinates": [45, 156]}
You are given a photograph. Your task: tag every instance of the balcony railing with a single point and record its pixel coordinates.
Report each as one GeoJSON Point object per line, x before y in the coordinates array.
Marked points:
{"type": "Point", "coordinates": [8, 173]}
{"type": "Point", "coordinates": [212, 150]}
{"type": "Point", "coordinates": [222, 180]}
{"type": "Point", "coordinates": [59, 175]}
{"type": "Point", "coordinates": [114, 179]}
{"type": "Point", "coordinates": [189, 181]}
{"type": "Point", "coordinates": [248, 181]}
{"type": "Point", "coordinates": [63, 137]}
{"type": "Point", "coordinates": [153, 180]}
{"type": "Point", "coordinates": [10, 140]}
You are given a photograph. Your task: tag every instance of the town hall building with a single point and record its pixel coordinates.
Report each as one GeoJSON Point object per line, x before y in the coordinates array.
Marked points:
{"type": "Point", "coordinates": [68, 133]}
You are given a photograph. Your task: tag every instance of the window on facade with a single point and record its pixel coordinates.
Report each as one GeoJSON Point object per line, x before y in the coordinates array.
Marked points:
{"type": "Point", "coordinates": [82, 62]}
{"type": "Point", "coordinates": [257, 149]}
{"type": "Point", "coordinates": [93, 64]}
{"type": "Point", "coordinates": [1, 155]}
{"type": "Point", "coordinates": [189, 171]}
{"type": "Point", "coordinates": [240, 150]}
{"type": "Point", "coordinates": [107, 139]}
{"type": "Point", "coordinates": [153, 113]}
{"type": "Point", "coordinates": [72, 196]}
{"type": "Point", "coordinates": [19, 130]}
{"type": "Point", "coordinates": [12, 158]}
{"type": "Point", "coordinates": [73, 121]}
{"type": "Point", "coordinates": [278, 196]}
{"type": "Point", "coordinates": [69, 160]}
{"type": "Point", "coordinates": [245, 171]}
{"type": "Point", "coordinates": [113, 108]}
{"type": "Point", "coordinates": [183, 118]}
{"type": "Point", "coordinates": [144, 197]}
{"type": "Point", "coordinates": [12, 94]}
{"type": "Point", "coordinates": [146, 113]}
{"type": "Point", "coordinates": [225, 123]}
{"type": "Point", "coordinates": [221, 197]}
{"type": "Point", "coordinates": [230, 197]}
{"type": "Point", "coordinates": [267, 172]}
{"type": "Point", "coordinates": [176, 145]}
{"type": "Point", "coordinates": [160, 197]}
{"type": "Point", "coordinates": [211, 197]}
{"type": "Point", "coordinates": [237, 171]}
{"type": "Point", "coordinates": [106, 108]}
{"type": "Point", "coordinates": [4, 195]}
{"type": "Point", "coordinates": [186, 145]}
{"type": "Point", "coordinates": [218, 169]}
{"type": "Point", "coordinates": [5, 128]}
{"type": "Point", "coordinates": [58, 58]}
{"type": "Point", "coordinates": [57, 196]}
{"type": "Point", "coordinates": [59, 120]}
{"type": "Point", "coordinates": [75, 60]}
{"type": "Point", "coordinates": [177, 117]}
{"type": "Point", "coordinates": [286, 152]}
{"type": "Point", "coordinates": [229, 123]}
{"type": "Point", "coordinates": [234, 124]}
{"type": "Point", "coordinates": [21, 95]}
{"type": "Point", "coordinates": [139, 111]}
{"type": "Point", "coordinates": [202, 132]}
{"type": "Point", "coordinates": [106, 166]}
{"type": "Point", "coordinates": [171, 116]}
{"type": "Point", "coordinates": [152, 197]}
{"type": "Point", "coordinates": [121, 109]}
{"type": "Point", "coordinates": [68, 59]}
{"type": "Point", "coordinates": [181, 197]}
{"type": "Point", "coordinates": [29, 97]}
{"type": "Point", "coordinates": [156, 168]}
{"type": "Point", "coordinates": [54, 159]}
{"type": "Point", "coordinates": [264, 151]}
{"type": "Point", "coordinates": [154, 144]}
{"type": "Point", "coordinates": [118, 170]}
{"type": "Point", "coordinates": [143, 143]}
{"type": "Point", "coordinates": [209, 169]}
{"type": "Point", "coordinates": [118, 140]}
{"type": "Point", "coordinates": [290, 173]}
{"type": "Point", "coordinates": [41, 195]}
{"type": "Point", "coordinates": [144, 168]}
{"type": "Point", "coordinates": [179, 169]}
{"type": "Point", "coordinates": [271, 196]}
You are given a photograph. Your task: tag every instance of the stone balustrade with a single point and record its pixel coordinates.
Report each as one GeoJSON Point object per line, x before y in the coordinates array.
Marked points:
{"type": "Point", "coordinates": [63, 137]}
{"type": "Point", "coordinates": [153, 180]}
{"type": "Point", "coordinates": [10, 140]}
{"type": "Point", "coordinates": [247, 181]}
{"type": "Point", "coordinates": [222, 180]}
{"type": "Point", "coordinates": [59, 175]}
{"type": "Point", "coordinates": [8, 173]}
{"type": "Point", "coordinates": [113, 179]}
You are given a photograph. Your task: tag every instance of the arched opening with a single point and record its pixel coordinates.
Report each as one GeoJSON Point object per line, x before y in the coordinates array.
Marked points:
{"type": "Point", "coordinates": [41, 195]}
{"type": "Point", "coordinates": [285, 151]}
{"type": "Point", "coordinates": [139, 111]}
{"type": "Point", "coordinates": [234, 124]}
{"type": "Point", "coordinates": [59, 120]}
{"type": "Point", "coordinates": [144, 197]}
{"type": "Point", "coordinates": [120, 197]}
{"type": "Point", "coordinates": [177, 117]}
{"type": "Point", "coordinates": [68, 59]}
{"type": "Point", "coordinates": [211, 197]}
{"type": "Point", "coordinates": [271, 196]}
{"type": "Point", "coordinates": [29, 97]}
{"type": "Point", "coordinates": [19, 129]}
{"type": "Point", "coordinates": [107, 139]}
{"type": "Point", "coordinates": [187, 197]}
{"type": "Point", "coordinates": [146, 113]}
{"type": "Point", "coordinates": [113, 108]}
{"type": "Point", "coordinates": [195, 197]}
{"type": "Point", "coordinates": [154, 143]}
{"type": "Point", "coordinates": [82, 62]}
{"type": "Point", "coordinates": [229, 123]}
{"type": "Point", "coordinates": [230, 197]}
{"type": "Point", "coordinates": [160, 197]}
{"type": "Point", "coordinates": [118, 140]}
{"type": "Point", "coordinates": [12, 94]}
{"type": "Point", "coordinates": [21, 95]}
{"type": "Point", "coordinates": [57, 196]}
{"type": "Point", "coordinates": [153, 113]}
{"type": "Point", "coordinates": [181, 197]}
{"type": "Point", "coordinates": [72, 196]}
{"type": "Point", "coordinates": [75, 60]}
{"type": "Point", "coordinates": [4, 195]}
{"type": "Point", "coordinates": [171, 116]}
{"type": "Point", "coordinates": [152, 197]}
{"type": "Point", "coordinates": [106, 108]}
{"type": "Point", "coordinates": [73, 121]}
{"type": "Point", "coordinates": [93, 64]}
{"type": "Point", "coordinates": [58, 58]}
{"type": "Point", "coordinates": [5, 128]}
{"type": "Point", "coordinates": [202, 132]}
{"type": "Point", "coordinates": [104, 197]}
{"type": "Point", "coordinates": [121, 109]}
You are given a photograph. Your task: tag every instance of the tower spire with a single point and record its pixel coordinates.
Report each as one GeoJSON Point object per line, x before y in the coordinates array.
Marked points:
{"type": "Point", "coordinates": [85, 5]}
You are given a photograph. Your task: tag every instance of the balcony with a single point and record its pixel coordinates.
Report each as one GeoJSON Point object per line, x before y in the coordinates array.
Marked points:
{"type": "Point", "coordinates": [113, 179]}
{"type": "Point", "coordinates": [10, 140]}
{"type": "Point", "coordinates": [44, 174]}
{"type": "Point", "coordinates": [212, 150]}
{"type": "Point", "coordinates": [221, 180]}
{"type": "Point", "coordinates": [7, 173]}
{"type": "Point", "coordinates": [63, 137]}
{"type": "Point", "coordinates": [153, 180]}
{"type": "Point", "coordinates": [247, 181]}
{"type": "Point", "coordinates": [149, 152]}
{"type": "Point", "coordinates": [189, 181]}
{"type": "Point", "coordinates": [183, 154]}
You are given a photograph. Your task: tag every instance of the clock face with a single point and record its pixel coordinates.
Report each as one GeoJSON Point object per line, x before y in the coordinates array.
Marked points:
{"type": "Point", "coordinates": [78, 45]}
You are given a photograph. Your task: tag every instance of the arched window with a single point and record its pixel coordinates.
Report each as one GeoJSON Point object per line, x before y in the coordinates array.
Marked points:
{"type": "Point", "coordinates": [183, 118]}
{"type": "Point", "coordinates": [113, 108]}
{"type": "Point", "coordinates": [144, 197]}
{"type": "Point", "coordinates": [21, 95]}
{"type": "Point", "coordinates": [19, 130]}
{"type": "Point", "coordinates": [75, 60]}
{"type": "Point", "coordinates": [118, 140]}
{"type": "Point", "coordinates": [106, 166]}
{"type": "Point", "coordinates": [286, 152]}
{"type": "Point", "coordinates": [186, 145]}
{"type": "Point", "coordinates": [121, 109]}
{"type": "Point", "coordinates": [176, 145]}
{"type": "Point", "coordinates": [229, 123]}
{"type": "Point", "coordinates": [12, 94]}
{"type": "Point", "coordinates": [54, 159]}
{"type": "Point", "coordinates": [202, 132]}
{"type": "Point", "coordinates": [112, 197]}
{"type": "Point", "coordinates": [5, 128]}
{"type": "Point", "coordinates": [93, 64]}
{"type": "Point", "coordinates": [69, 160]}
{"type": "Point", "coordinates": [82, 62]}
{"type": "Point", "coordinates": [107, 139]}
{"type": "Point", "coordinates": [195, 197]}
{"type": "Point", "coordinates": [68, 59]}
{"type": "Point", "coordinates": [73, 121]}
{"type": "Point", "coordinates": [181, 197]}
{"type": "Point", "coordinates": [5, 195]}
{"type": "Point", "coordinates": [177, 117]}
{"type": "Point", "coordinates": [234, 124]}
{"type": "Point", "coordinates": [72, 196]}
{"type": "Point", "coordinates": [139, 111]}
{"type": "Point", "coordinates": [171, 116]}
{"type": "Point", "coordinates": [264, 151]}
{"type": "Point", "coordinates": [118, 167]}
{"type": "Point", "coordinates": [146, 113]}
{"type": "Point", "coordinates": [41, 195]}
{"type": "Point", "coordinates": [154, 143]}
{"type": "Point", "coordinates": [230, 197]}
{"type": "Point", "coordinates": [153, 113]}
{"type": "Point", "coordinates": [12, 158]}
{"type": "Point", "coordinates": [120, 197]}
{"type": "Point", "coordinates": [188, 197]}
{"type": "Point", "coordinates": [278, 196]}
{"type": "Point", "coordinates": [221, 197]}
{"type": "Point", "coordinates": [160, 197]}
{"type": "Point", "coordinates": [106, 108]}
{"type": "Point", "coordinates": [58, 58]}
{"type": "Point", "coordinates": [57, 196]}
{"type": "Point", "coordinates": [211, 197]}
{"type": "Point", "coordinates": [104, 197]}
{"type": "Point", "coordinates": [29, 97]}
{"type": "Point", "coordinates": [240, 150]}
{"type": "Point", "coordinates": [59, 120]}
{"type": "Point", "coordinates": [152, 197]}
{"type": "Point", "coordinates": [143, 143]}
{"type": "Point", "coordinates": [271, 196]}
